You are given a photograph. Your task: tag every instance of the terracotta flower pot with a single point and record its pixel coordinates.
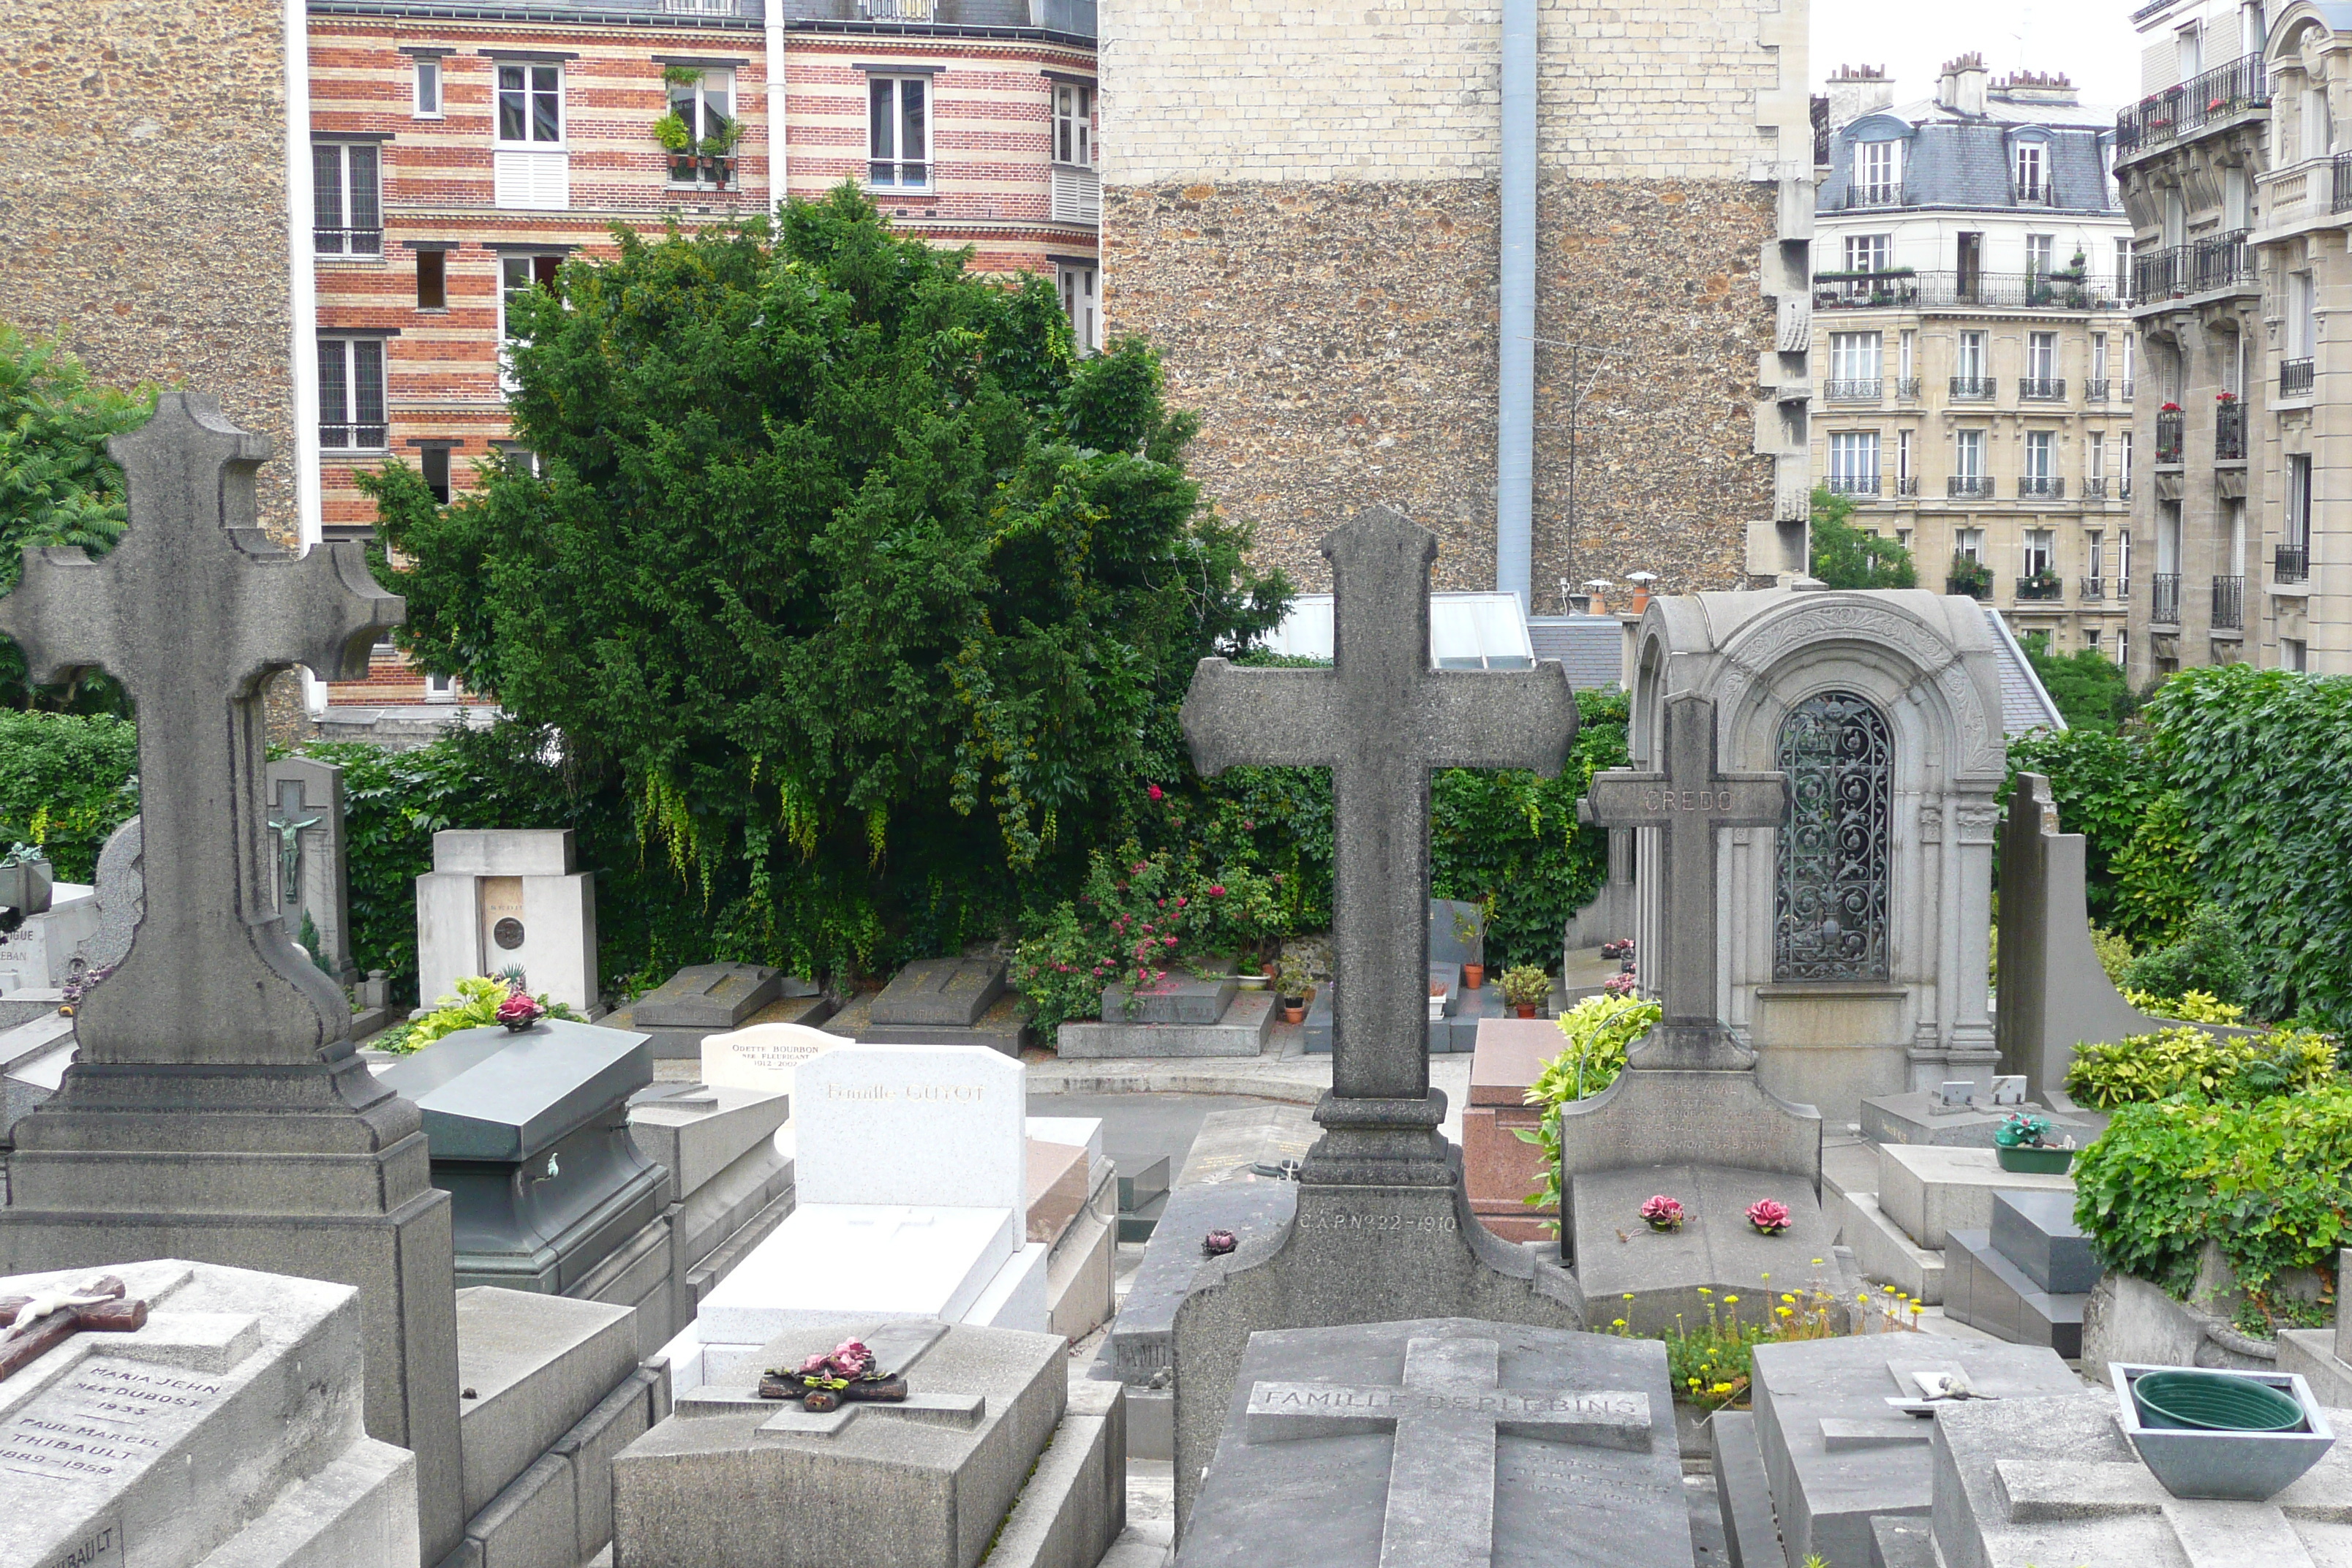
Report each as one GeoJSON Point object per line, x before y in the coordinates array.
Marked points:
{"type": "Point", "coordinates": [1524, 1009]}
{"type": "Point", "coordinates": [1291, 1015]}
{"type": "Point", "coordinates": [1474, 976]}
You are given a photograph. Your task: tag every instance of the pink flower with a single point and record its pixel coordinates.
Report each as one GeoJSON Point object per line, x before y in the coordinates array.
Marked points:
{"type": "Point", "coordinates": [1154, 792]}
{"type": "Point", "coordinates": [1663, 1210]}
{"type": "Point", "coordinates": [1180, 902]}
{"type": "Point", "coordinates": [519, 1012]}
{"type": "Point", "coordinates": [1169, 940]}
{"type": "Point", "coordinates": [1769, 1216]}
{"type": "Point", "coordinates": [1141, 867]}
{"type": "Point", "coordinates": [1217, 891]}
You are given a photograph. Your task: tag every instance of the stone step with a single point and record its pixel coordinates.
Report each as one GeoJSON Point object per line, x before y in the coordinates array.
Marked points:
{"type": "Point", "coordinates": [1986, 1291]}
{"type": "Point", "coordinates": [1887, 1256]}
{"type": "Point", "coordinates": [1931, 1190]}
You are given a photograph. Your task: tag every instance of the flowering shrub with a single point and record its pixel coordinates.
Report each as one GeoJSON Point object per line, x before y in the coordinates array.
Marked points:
{"type": "Point", "coordinates": [1236, 912]}
{"type": "Point", "coordinates": [1769, 1217]}
{"type": "Point", "coordinates": [1138, 916]}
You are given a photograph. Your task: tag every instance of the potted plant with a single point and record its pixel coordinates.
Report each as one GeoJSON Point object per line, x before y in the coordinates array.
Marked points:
{"type": "Point", "coordinates": [2021, 1145]}
{"type": "Point", "coordinates": [719, 152]}
{"type": "Point", "coordinates": [678, 141]}
{"type": "Point", "coordinates": [1295, 982]}
{"type": "Point", "coordinates": [1662, 1214]}
{"type": "Point", "coordinates": [1968, 575]}
{"type": "Point", "coordinates": [1525, 987]}
{"type": "Point", "coordinates": [1470, 931]}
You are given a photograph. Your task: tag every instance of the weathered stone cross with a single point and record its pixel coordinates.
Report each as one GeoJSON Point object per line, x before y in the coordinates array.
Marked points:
{"type": "Point", "coordinates": [192, 612]}
{"type": "Point", "coordinates": [1447, 1415]}
{"type": "Point", "coordinates": [1687, 802]}
{"type": "Point", "coordinates": [1380, 719]}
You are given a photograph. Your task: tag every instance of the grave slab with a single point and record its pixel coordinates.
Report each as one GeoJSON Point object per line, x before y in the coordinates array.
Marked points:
{"type": "Point", "coordinates": [535, 1365]}
{"type": "Point", "coordinates": [1743, 1493]}
{"type": "Point", "coordinates": [1242, 1030]}
{"type": "Point", "coordinates": [1837, 1454]}
{"type": "Point", "coordinates": [34, 1056]}
{"type": "Point", "coordinates": [1914, 1119]}
{"type": "Point", "coordinates": [717, 1485]}
{"type": "Point", "coordinates": [2036, 1231]}
{"type": "Point", "coordinates": [1931, 1190]}
{"type": "Point", "coordinates": [1883, 1254]}
{"type": "Point", "coordinates": [227, 1429]}
{"type": "Point", "coordinates": [941, 994]}
{"type": "Point", "coordinates": [1618, 1256]}
{"type": "Point", "coordinates": [704, 999]}
{"type": "Point", "coordinates": [2323, 1356]}
{"type": "Point", "coordinates": [1444, 1443]}
{"type": "Point", "coordinates": [1182, 997]}
{"type": "Point", "coordinates": [2021, 1484]}
{"type": "Point", "coordinates": [1141, 1348]}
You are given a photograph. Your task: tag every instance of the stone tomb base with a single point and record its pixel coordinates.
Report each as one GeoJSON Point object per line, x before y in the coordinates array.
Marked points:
{"type": "Point", "coordinates": [2027, 1277]}
{"type": "Point", "coordinates": [1241, 1031]}
{"type": "Point", "coordinates": [1914, 1118]}
{"type": "Point", "coordinates": [1445, 1441]}
{"type": "Point", "coordinates": [1618, 1256]}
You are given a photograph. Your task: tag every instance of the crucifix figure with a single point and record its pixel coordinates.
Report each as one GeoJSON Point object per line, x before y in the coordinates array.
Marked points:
{"type": "Point", "coordinates": [193, 612]}
{"type": "Point", "coordinates": [1447, 1415]}
{"type": "Point", "coordinates": [288, 822]}
{"type": "Point", "coordinates": [1687, 802]}
{"type": "Point", "coordinates": [38, 1324]}
{"type": "Point", "coordinates": [1380, 719]}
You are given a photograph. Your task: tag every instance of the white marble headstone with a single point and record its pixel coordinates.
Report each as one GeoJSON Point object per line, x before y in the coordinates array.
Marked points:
{"type": "Point", "coordinates": [932, 1125]}
{"type": "Point", "coordinates": [762, 1056]}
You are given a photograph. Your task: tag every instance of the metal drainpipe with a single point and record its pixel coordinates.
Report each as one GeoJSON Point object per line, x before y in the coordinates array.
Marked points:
{"type": "Point", "coordinates": [1515, 412]}
{"type": "Point", "coordinates": [777, 150]}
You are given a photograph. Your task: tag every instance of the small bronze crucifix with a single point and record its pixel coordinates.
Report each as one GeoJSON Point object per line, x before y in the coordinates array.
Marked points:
{"type": "Point", "coordinates": [38, 1324]}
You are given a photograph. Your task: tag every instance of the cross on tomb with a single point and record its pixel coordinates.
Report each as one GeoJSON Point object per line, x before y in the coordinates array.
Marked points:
{"type": "Point", "coordinates": [2209, 1534]}
{"type": "Point", "coordinates": [1447, 1415]}
{"type": "Point", "coordinates": [1687, 802]}
{"type": "Point", "coordinates": [1380, 718]}
{"type": "Point", "coordinates": [288, 822]}
{"type": "Point", "coordinates": [38, 1324]}
{"type": "Point", "coordinates": [193, 612]}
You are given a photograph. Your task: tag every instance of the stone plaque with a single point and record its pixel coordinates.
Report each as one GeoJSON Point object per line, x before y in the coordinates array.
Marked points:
{"type": "Point", "coordinates": [502, 929]}
{"type": "Point", "coordinates": [105, 1421]}
{"type": "Point", "coordinates": [762, 1056]}
{"type": "Point", "coordinates": [507, 933]}
{"type": "Point", "coordinates": [941, 992]}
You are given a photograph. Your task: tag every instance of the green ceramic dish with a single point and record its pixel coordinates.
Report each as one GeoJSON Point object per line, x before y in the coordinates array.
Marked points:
{"type": "Point", "coordinates": [2213, 1402]}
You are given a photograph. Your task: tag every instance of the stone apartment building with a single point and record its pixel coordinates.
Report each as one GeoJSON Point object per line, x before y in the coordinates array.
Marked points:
{"type": "Point", "coordinates": [1533, 272]}
{"type": "Point", "coordinates": [1973, 360]}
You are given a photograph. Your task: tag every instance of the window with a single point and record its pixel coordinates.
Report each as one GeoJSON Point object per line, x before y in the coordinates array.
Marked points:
{"type": "Point", "coordinates": [432, 279]}
{"type": "Point", "coordinates": [440, 688]}
{"type": "Point", "coordinates": [428, 87]}
{"type": "Point", "coordinates": [351, 394]}
{"type": "Point", "coordinates": [2298, 502]}
{"type": "Point", "coordinates": [1854, 463]}
{"type": "Point", "coordinates": [2295, 655]}
{"type": "Point", "coordinates": [518, 272]}
{"type": "Point", "coordinates": [516, 458]}
{"type": "Point", "coordinates": [1077, 285]}
{"type": "Point", "coordinates": [2123, 647]}
{"type": "Point", "coordinates": [1972, 356]}
{"type": "Point", "coordinates": [2091, 638]}
{"type": "Point", "coordinates": [1853, 364]}
{"type": "Point", "coordinates": [2095, 459]}
{"type": "Point", "coordinates": [2041, 456]}
{"type": "Point", "coordinates": [2318, 129]}
{"type": "Point", "coordinates": [433, 463]}
{"type": "Point", "coordinates": [1968, 541]}
{"type": "Point", "coordinates": [2122, 270]}
{"type": "Point", "coordinates": [530, 105]}
{"type": "Point", "coordinates": [2095, 554]}
{"type": "Point", "coordinates": [2038, 248]}
{"type": "Point", "coordinates": [1868, 252]}
{"type": "Point", "coordinates": [706, 107]}
{"type": "Point", "coordinates": [2027, 161]}
{"type": "Point", "coordinates": [2098, 356]}
{"type": "Point", "coordinates": [345, 200]}
{"type": "Point", "coordinates": [2040, 550]}
{"type": "Point", "coordinates": [898, 131]}
{"type": "Point", "coordinates": [2127, 368]}
{"type": "Point", "coordinates": [2237, 197]}
{"type": "Point", "coordinates": [1903, 458]}
{"type": "Point", "coordinates": [1074, 124]}
{"type": "Point", "coordinates": [2300, 320]}
{"type": "Point", "coordinates": [2189, 51]}
{"type": "Point", "coordinates": [1830, 903]}
{"type": "Point", "coordinates": [1968, 453]}
{"type": "Point", "coordinates": [1881, 177]}
{"type": "Point", "coordinates": [2042, 356]}
{"type": "Point", "coordinates": [1909, 355]}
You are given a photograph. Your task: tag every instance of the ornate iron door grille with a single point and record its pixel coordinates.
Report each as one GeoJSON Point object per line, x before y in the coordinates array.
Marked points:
{"type": "Point", "coordinates": [1830, 905]}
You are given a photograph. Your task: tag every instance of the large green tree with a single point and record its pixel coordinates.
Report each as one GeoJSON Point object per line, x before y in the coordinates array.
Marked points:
{"type": "Point", "coordinates": [1844, 557]}
{"type": "Point", "coordinates": [2087, 686]}
{"type": "Point", "coordinates": [875, 598]}
{"type": "Point", "coordinates": [58, 486]}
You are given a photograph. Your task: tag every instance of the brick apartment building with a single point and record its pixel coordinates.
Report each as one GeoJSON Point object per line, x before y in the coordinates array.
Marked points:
{"type": "Point", "coordinates": [461, 153]}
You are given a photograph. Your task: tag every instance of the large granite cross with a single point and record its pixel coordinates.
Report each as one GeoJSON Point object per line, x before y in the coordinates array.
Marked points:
{"type": "Point", "coordinates": [1447, 1415]}
{"type": "Point", "coordinates": [193, 612]}
{"type": "Point", "coordinates": [1687, 802]}
{"type": "Point", "coordinates": [1380, 719]}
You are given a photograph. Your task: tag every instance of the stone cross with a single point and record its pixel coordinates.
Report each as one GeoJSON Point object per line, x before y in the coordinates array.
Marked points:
{"type": "Point", "coordinates": [38, 1324]}
{"type": "Point", "coordinates": [1447, 1415]}
{"type": "Point", "coordinates": [1687, 802]}
{"type": "Point", "coordinates": [193, 612]}
{"type": "Point", "coordinates": [288, 822]}
{"type": "Point", "coordinates": [2210, 1534]}
{"type": "Point", "coordinates": [1380, 719]}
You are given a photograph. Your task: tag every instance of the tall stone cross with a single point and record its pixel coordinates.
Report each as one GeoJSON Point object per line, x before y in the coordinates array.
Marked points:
{"type": "Point", "coordinates": [1687, 802]}
{"type": "Point", "coordinates": [1447, 1415]}
{"type": "Point", "coordinates": [1380, 719]}
{"type": "Point", "coordinates": [193, 612]}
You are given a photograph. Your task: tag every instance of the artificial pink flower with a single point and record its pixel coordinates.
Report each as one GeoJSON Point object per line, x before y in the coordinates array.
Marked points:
{"type": "Point", "coordinates": [1154, 792]}
{"type": "Point", "coordinates": [1769, 1216]}
{"type": "Point", "coordinates": [1663, 1210]}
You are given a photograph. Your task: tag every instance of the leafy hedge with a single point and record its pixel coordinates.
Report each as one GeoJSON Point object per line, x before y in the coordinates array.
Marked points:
{"type": "Point", "coordinates": [2265, 1180]}
{"type": "Point", "coordinates": [2148, 1068]}
{"type": "Point", "coordinates": [66, 781]}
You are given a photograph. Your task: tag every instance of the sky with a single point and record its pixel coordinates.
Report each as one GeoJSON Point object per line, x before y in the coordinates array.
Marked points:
{"type": "Point", "coordinates": [2091, 41]}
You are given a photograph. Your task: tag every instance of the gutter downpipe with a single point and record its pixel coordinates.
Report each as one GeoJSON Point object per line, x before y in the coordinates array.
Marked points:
{"type": "Point", "coordinates": [778, 160]}
{"type": "Point", "coordinates": [1515, 412]}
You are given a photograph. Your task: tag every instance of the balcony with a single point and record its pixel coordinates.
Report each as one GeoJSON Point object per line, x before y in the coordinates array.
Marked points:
{"type": "Point", "coordinates": [1853, 484]}
{"type": "Point", "coordinates": [2094, 488]}
{"type": "Point", "coordinates": [2168, 436]}
{"type": "Point", "coordinates": [2218, 95]}
{"type": "Point", "coordinates": [709, 173]}
{"type": "Point", "coordinates": [894, 10]}
{"type": "Point", "coordinates": [2034, 193]}
{"type": "Point", "coordinates": [2041, 486]}
{"type": "Point", "coordinates": [1907, 485]}
{"type": "Point", "coordinates": [2164, 599]}
{"type": "Point", "coordinates": [2294, 377]}
{"type": "Point", "coordinates": [1907, 388]}
{"type": "Point", "coordinates": [1969, 578]}
{"type": "Point", "coordinates": [1968, 487]}
{"type": "Point", "coordinates": [2043, 388]}
{"type": "Point", "coordinates": [2229, 603]}
{"type": "Point", "coordinates": [2094, 390]}
{"type": "Point", "coordinates": [2003, 290]}
{"type": "Point", "coordinates": [1852, 391]}
{"type": "Point", "coordinates": [2220, 261]}
{"type": "Point", "coordinates": [2092, 590]}
{"type": "Point", "coordinates": [1974, 388]}
{"type": "Point", "coordinates": [367, 243]}
{"type": "Point", "coordinates": [2340, 193]}
{"type": "Point", "coordinates": [2043, 587]}
{"type": "Point", "coordinates": [1859, 196]}
{"type": "Point", "coordinates": [2292, 563]}
{"type": "Point", "coordinates": [2230, 432]}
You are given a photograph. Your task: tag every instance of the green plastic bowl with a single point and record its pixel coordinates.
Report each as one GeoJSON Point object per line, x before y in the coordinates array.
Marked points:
{"type": "Point", "coordinates": [2213, 1402]}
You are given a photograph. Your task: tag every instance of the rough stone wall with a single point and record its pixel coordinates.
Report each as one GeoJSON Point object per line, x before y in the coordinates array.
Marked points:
{"type": "Point", "coordinates": [1339, 340]}
{"type": "Point", "coordinates": [143, 201]}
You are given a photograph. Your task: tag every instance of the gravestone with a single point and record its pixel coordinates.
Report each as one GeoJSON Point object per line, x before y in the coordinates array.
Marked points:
{"type": "Point", "coordinates": [121, 897]}
{"type": "Point", "coordinates": [763, 1057]}
{"type": "Point", "coordinates": [1444, 1442]}
{"type": "Point", "coordinates": [225, 1429]}
{"type": "Point", "coordinates": [1837, 1454]}
{"type": "Point", "coordinates": [705, 999]}
{"type": "Point", "coordinates": [2029, 1483]}
{"type": "Point", "coordinates": [1181, 1015]}
{"type": "Point", "coordinates": [2025, 1277]}
{"type": "Point", "coordinates": [1383, 1230]}
{"type": "Point", "coordinates": [499, 900]}
{"type": "Point", "coordinates": [306, 824]}
{"type": "Point", "coordinates": [1854, 958]}
{"type": "Point", "coordinates": [731, 1183]}
{"type": "Point", "coordinates": [217, 1109]}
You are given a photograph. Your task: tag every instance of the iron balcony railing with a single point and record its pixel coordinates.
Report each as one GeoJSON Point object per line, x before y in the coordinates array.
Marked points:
{"type": "Point", "coordinates": [352, 438]}
{"type": "Point", "coordinates": [2219, 94]}
{"type": "Point", "coordinates": [2041, 486]}
{"type": "Point", "coordinates": [2002, 291]}
{"type": "Point", "coordinates": [2125, 394]}
{"type": "Point", "coordinates": [1907, 387]}
{"type": "Point", "coordinates": [2230, 432]}
{"type": "Point", "coordinates": [2164, 598]}
{"type": "Point", "coordinates": [1974, 388]}
{"type": "Point", "coordinates": [2034, 193]}
{"type": "Point", "coordinates": [1873, 196]}
{"type": "Point", "coordinates": [2092, 588]}
{"type": "Point", "coordinates": [1851, 391]}
{"type": "Point", "coordinates": [1853, 484]}
{"type": "Point", "coordinates": [2340, 195]}
{"type": "Point", "coordinates": [2094, 389]}
{"type": "Point", "coordinates": [2294, 377]}
{"type": "Point", "coordinates": [1969, 587]}
{"type": "Point", "coordinates": [2217, 261]}
{"type": "Point", "coordinates": [1907, 485]}
{"type": "Point", "coordinates": [2229, 603]}
{"type": "Point", "coordinates": [2043, 388]}
{"type": "Point", "coordinates": [2168, 436]}
{"type": "Point", "coordinates": [2094, 488]}
{"type": "Point", "coordinates": [2040, 586]}
{"type": "Point", "coordinates": [2292, 563]}
{"type": "Point", "coordinates": [368, 242]}
{"type": "Point", "coordinates": [2122, 583]}
{"type": "Point", "coordinates": [1968, 487]}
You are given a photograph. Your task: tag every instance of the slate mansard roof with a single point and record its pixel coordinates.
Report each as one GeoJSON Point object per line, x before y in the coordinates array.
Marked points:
{"type": "Point", "coordinates": [1955, 160]}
